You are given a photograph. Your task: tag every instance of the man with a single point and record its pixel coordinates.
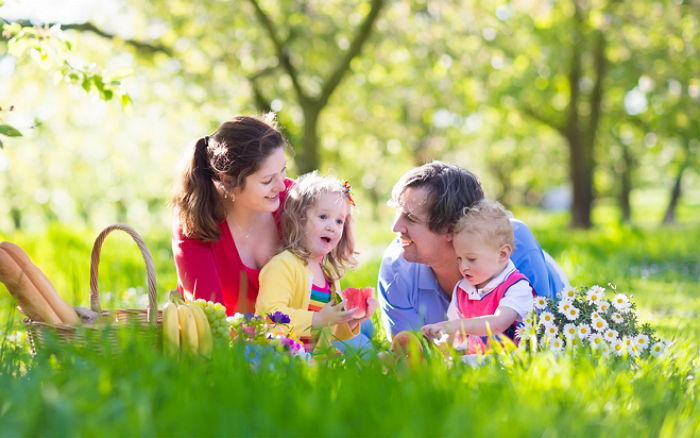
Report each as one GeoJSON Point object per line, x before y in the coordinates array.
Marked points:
{"type": "Point", "coordinates": [419, 269]}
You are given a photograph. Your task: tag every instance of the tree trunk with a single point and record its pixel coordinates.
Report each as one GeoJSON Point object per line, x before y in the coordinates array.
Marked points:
{"type": "Point", "coordinates": [675, 196]}
{"type": "Point", "coordinates": [16, 215]}
{"type": "Point", "coordinates": [626, 184]}
{"type": "Point", "coordinates": [581, 171]}
{"type": "Point", "coordinates": [309, 158]}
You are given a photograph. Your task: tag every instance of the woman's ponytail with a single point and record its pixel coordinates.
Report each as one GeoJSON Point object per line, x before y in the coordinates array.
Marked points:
{"type": "Point", "coordinates": [197, 201]}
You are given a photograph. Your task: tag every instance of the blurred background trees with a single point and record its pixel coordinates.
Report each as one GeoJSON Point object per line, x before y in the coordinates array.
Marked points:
{"type": "Point", "coordinates": [599, 97]}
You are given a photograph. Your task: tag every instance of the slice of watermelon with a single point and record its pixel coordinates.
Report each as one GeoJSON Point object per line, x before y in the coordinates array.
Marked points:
{"type": "Point", "coordinates": [357, 298]}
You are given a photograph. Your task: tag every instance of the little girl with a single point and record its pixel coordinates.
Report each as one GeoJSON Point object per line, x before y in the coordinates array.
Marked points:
{"type": "Point", "coordinates": [318, 247]}
{"type": "Point", "coordinates": [492, 295]}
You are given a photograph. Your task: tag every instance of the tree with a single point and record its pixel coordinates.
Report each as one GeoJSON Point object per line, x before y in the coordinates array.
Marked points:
{"type": "Point", "coordinates": [568, 91]}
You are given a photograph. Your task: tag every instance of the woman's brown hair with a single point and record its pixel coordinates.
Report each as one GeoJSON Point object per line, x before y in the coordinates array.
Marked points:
{"type": "Point", "coordinates": [236, 148]}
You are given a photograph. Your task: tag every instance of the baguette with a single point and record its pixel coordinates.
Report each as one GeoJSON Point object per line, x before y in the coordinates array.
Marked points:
{"type": "Point", "coordinates": [42, 284]}
{"type": "Point", "coordinates": [23, 290]}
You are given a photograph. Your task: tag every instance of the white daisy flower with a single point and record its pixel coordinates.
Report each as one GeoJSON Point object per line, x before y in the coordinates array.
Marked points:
{"type": "Point", "coordinates": [556, 343]}
{"type": "Point", "coordinates": [540, 302]}
{"type": "Point", "coordinates": [568, 294]}
{"type": "Point", "coordinates": [595, 294]}
{"type": "Point", "coordinates": [621, 301]}
{"type": "Point", "coordinates": [551, 330]}
{"type": "Point", "coordinates": [628, 343]}
{"type": "Point", "coordinates": [583, 331]}
{"type": "Point", "coordinates": [599, 324]}
{"type": "Point", "coordinates": [625, 308]}
{"type": "Point", "coordinates": [595, 315]}
{"type": "Point", "coordinates": [564, 305]}
{"type": "Point", "coordinates": [617, 318]}
{"type": "Point", "coordinates": [618, 347]}
{"type": "Point", "coordinates": [529, 319]}
{"type": "Point", "coordinates": [572, 313]}
{"type": "Point", "coordinates": [658, 349]}
{"type": "Point", "coordinates": [610, 335]}
{"type": "Point", "coordinates": [603, 306]}
{"type": "Point", "coordinates": [570, 331]}
{"type": "Point", "coordinates": [236, 317]}
{"type": "Point", "coordinates": [574, 341]}
{"type": "Point", "coordinates": [546, 318]}
{"type": "Point", "coordinates": [596, 341]}
{"type": "Point", "coordinates": [634, 351]}
{"type": "Point", "coordinates": [641, 341]}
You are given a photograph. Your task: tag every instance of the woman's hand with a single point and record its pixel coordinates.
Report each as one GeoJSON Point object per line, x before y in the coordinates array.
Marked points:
{"type": "Point", "coordinates": [330, 315]}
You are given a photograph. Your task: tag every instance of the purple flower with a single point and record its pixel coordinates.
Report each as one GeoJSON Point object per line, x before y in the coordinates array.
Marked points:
{"type": "Point", "coordinates": [279, 318]}
{"type": "Point", "coordinates": [249, 316]}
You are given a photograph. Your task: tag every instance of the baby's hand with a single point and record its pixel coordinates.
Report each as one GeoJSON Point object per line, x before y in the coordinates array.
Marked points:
{"type": "Point", "coordinates": [434, 331]}
{"type": "Point", "coordinates": [330, 315]}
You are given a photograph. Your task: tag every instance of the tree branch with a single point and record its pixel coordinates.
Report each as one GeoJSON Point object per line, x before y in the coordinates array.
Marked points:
{"type": "Point", "coordinates": [363, 33]}
{"type": "Point", "coordinates": [554, 124]}
{"type": "Point", "coordinates": [575, 72]}
{"type": "Point", "coordinates": [148, 47]}
{"type": "Point", "coordinates": [600, 63]}
{"type": "Point", "coordinates": [282, 54]}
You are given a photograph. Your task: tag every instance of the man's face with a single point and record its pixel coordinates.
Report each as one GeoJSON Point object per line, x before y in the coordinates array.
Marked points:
{"type": "Point", "coordinates": [419, 243]}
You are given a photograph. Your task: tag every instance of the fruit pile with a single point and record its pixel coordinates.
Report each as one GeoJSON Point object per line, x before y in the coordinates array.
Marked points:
{"type": "Point", "coordinates": [216, 315]}
{"type": "Point", "coordinates": [33, 291]}
{"type": "Point", "coordinates": [186, 328]}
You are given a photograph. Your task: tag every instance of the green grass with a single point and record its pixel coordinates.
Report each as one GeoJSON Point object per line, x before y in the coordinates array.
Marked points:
{"type": "Point", "coordinates": [140, 392]}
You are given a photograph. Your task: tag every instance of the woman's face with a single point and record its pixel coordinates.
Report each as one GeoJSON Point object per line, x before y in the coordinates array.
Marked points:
{"type": "Point", "coordinates": [262, 188]}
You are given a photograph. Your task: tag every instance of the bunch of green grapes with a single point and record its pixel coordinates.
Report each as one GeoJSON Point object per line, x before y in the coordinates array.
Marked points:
{"type": "Point", "coordinates": [216, 315]}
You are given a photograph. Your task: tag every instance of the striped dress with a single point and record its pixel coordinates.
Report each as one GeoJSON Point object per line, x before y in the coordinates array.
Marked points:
{"type": "Point", "coordinates": [320, 296]}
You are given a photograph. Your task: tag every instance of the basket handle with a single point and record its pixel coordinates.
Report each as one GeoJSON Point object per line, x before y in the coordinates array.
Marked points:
{"type": "Point", "coordinates": [150, 270]}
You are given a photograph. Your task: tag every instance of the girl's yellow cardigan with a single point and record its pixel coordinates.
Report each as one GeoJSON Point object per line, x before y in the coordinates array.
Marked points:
{"type": "Point", "coordinates": [285, 286]}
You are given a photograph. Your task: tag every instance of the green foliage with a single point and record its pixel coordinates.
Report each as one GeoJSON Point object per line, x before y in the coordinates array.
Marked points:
{"type": "Point", "coordinates": [48, 47]}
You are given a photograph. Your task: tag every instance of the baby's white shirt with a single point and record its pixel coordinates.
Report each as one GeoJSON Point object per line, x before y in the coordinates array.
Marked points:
{"type": "Point", "coordinates": [518, 297]}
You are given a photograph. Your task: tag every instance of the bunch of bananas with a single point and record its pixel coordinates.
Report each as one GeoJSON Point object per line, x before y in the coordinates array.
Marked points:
{"type": "Point", "coordinates": [185, 327]}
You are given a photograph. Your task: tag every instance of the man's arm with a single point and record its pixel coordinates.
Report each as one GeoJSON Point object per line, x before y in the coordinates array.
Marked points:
{"type": "Point", "coordinates": [529, 259]}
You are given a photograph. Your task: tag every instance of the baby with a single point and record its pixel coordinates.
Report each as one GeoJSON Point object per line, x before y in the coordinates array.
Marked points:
{"type": "Point", "coordinates": [492, 296]}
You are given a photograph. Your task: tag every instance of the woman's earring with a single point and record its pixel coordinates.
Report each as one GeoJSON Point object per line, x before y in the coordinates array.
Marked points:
{"type": "Point", "coordinates": [226, 195]}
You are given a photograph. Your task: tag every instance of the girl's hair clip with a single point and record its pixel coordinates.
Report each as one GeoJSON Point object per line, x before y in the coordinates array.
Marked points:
{"type": "Point", "coordinates": [346, 192]}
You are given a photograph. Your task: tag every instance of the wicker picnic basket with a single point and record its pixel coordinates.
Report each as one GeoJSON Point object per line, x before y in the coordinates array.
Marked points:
{"type": "Point", "coordinates": [144, 322]}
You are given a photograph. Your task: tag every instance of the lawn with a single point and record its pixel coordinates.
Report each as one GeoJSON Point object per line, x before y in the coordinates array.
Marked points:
{"type": "Point", "coordinates": [140, 392]}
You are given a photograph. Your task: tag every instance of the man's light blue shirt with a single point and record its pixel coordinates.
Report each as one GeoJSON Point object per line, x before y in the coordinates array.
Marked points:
{"type": "Point", "coordinates": [410, 297]}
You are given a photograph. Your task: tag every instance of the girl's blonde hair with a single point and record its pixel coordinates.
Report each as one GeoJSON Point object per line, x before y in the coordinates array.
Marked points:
{"type": "Point", "coordinates": [302, 196]}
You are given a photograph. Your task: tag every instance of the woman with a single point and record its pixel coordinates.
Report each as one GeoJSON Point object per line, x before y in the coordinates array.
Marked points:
{"type": "Point", "coordinates": [227, 209]}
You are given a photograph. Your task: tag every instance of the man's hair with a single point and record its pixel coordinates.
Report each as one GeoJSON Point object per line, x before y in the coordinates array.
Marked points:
{"type": "Point", "coordinates": [451, 189]}
{"type": "Point", "coordinates": [490, 221]}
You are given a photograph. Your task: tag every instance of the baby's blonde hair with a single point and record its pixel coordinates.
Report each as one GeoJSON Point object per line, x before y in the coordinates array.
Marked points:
{"type": "Point", "coordinates": [490, 221]}
{"type": "Point", "coordinates": [302, 196]}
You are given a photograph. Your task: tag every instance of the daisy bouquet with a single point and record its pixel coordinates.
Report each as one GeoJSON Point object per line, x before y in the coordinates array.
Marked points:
{"type": "Point", "coordinates": [269, 330]}
{"type": "Point", "coordinates": [594, 318]}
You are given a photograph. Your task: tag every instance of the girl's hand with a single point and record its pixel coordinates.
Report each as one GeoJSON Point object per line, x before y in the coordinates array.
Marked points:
{"type": "Point", "coordinates": [372, 305]}
{"type": "Point", "coordinates": [330, 315]}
